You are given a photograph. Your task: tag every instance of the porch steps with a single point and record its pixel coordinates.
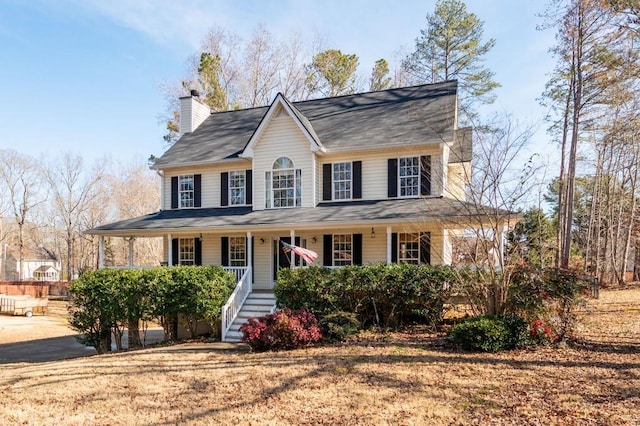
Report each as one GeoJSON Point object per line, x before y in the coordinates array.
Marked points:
{"type": "Point", "coordinates": [258, 303]}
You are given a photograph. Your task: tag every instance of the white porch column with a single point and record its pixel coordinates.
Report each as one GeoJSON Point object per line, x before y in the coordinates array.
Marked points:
{"type": "Point", "coordinates": [131, 240]}
{"type": "Point", "coordinates": [389, 248]}
{"type": "Point", "coordinates": [101, 252]}
{"type": "Point", "coordinates": [169, 251]}
{"type": "Point", "coordinates": [249, 250]}
{"type": "Point", "coordinates": [293, 242]}
{"type": "Point", "coordinates": [447, 248]}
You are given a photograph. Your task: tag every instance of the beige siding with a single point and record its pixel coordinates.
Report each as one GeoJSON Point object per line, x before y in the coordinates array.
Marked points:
{"type": "Point", "coordinates": [374, 169]}
{"type": "Point", "coordinates": [210, 181]}
{"type": "Point", "coordinates": [262, 262]}
{"type": "Point", "coordinates": [211, 249]}
{"type": "Point", "coordinates": [457, 180]}
{"type": "Point", "coordinates": [283, 137]}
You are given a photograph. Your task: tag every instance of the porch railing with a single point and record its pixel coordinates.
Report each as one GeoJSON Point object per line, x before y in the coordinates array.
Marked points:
{"type": "Point", "coordinates": [243, 288]}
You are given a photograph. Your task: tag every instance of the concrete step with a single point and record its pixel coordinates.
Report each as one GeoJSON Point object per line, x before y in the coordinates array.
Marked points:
{"type": "Point", "coordinates": [233, 337]}
{"type": "Point", "coordinates": [262, 295]}
{"type": "Point", "coordinates": [259, 302]}
{"type": "Point", "coordinates": [250, 307]}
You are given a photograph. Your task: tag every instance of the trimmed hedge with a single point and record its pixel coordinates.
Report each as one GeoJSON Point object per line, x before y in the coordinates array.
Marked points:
{"type": "Point", "coordinates": [110, 300]}
{"type": "Point", "coordinates": [381, 294]}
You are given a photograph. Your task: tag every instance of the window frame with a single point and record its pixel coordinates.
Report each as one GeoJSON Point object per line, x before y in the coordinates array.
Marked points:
{"type": "Point", "coordinates": [186, 257]}
{"type": "Point", "coordinates": [283, 174]}
{"type": "Point", "coordinates": [335, 181]}
{"type": "Point", "coordinates": [336, 241]}
{"type": "Point", "coordinates": [231, 188]}
{"type": "Point", "coordinates": [417, 177]}
{"type": "Point", "coordinates": [237, 246]}
{"type": "Point", "coordinates": [409, 238]}
{"type": "Point", "coordinates": [192, 199]}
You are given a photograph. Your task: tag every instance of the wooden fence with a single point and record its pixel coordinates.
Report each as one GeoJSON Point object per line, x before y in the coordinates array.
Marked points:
{"type": "Point", "coordinates": [35, 288]}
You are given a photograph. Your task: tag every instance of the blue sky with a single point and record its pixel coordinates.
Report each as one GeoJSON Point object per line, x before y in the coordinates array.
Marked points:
{"type": "Point", "coordinates": [83, 75]}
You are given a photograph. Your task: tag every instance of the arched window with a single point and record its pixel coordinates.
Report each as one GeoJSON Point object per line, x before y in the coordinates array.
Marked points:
{"type": "Point", "coordinates": [283, 185]}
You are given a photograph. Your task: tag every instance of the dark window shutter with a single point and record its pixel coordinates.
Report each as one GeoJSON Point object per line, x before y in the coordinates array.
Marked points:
{"type": "Point", "coordinates": [327, 250]}
{"type": "Point", "coordinates": [392, 177]}
{"type": "Point", "coordinates": [327, 175]}
{"type": "Point", "coordinates": [425, 175]}
{"type": "Point", "coordinates": [224, 189]}
{"type": "Point", "coordinates": [357, 180]}
{"type": "Point", "coordinates": [174, 192]}
{"type": "Point", "coordinates": [175, 256]}
{"type": "Point", "coordinates": [425, 248]}
{"type": "Point", "coordinates": [197, 190]}
{"type": "Point", "coordinates": [356, 249]}
{"type": "Point", "coordinates": [197, 245]}
{"type": "Point", "coordinates": [248, 191]}
{"type": "Point", "coordinates": [224, 250]}
{"type": "Point", "coordinates": [394, 247]}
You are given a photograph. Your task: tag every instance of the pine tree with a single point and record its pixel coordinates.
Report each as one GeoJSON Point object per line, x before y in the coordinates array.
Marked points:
{"type": "Point", "coordinates": [451, 47]}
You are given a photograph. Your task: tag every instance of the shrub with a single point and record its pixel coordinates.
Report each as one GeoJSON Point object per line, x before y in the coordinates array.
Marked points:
{"type": "Point", "coordinates": [109, 300]}
{"type": "Point", "coordinates": [519, 335]}
{"type": "Point", "coordinates": [549, 295]}
{"type": "Point", "coordinates": [338, 326]}
{"type": "Point", "coordinates": [378, 294]}
{"type": "Point", "coordinates": [285, 329]}
{"type": "Point", "coordinates": [485, 334]}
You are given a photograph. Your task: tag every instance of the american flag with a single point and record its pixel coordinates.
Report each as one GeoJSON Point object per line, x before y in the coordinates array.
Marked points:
{"type": "Point", "coordinates": [309, 255]}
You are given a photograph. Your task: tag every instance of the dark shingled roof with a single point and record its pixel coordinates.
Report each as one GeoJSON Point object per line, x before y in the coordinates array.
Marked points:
{"type": "Point", "coordinates": [388, 118]}
{"type": "Point", "coordinates": [414, 210]}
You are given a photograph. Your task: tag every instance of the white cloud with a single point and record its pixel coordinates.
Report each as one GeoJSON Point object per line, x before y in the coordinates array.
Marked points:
{"type": "Point", "coordinates": [171, 23]}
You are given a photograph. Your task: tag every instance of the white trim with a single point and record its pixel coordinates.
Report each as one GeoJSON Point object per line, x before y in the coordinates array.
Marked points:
{"type": "Point", "coordinates": [399, 178]}
{"type": "Point", "coordinates": [333, 249]}
{"type": "Point", "coordinates": [169, 250]}
{"type": "Point", "coordinates": [314, 145]}
{"type": "Point", "coordinates": [389, 245]}
{"type": "Point", "coordinates": [333, 181]}
{"type": "Point", "coordinates": [292, 235]}
{"type": "Point", "coordinates": [101, 252]}
{"type": "Point", "coordinates": [229, 196]}
{"type": "Point", "coordinates": [193, 191]}
{"type": "Point", "coordinates": [131, 260]}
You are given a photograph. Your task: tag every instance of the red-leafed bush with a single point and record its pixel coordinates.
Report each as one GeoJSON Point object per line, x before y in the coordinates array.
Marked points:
{"type": "Point", "coordinates": [285, 329]}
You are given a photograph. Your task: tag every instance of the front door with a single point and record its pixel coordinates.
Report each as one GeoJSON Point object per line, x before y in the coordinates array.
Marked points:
{"type": "Point", "coordinates": [280, 258]}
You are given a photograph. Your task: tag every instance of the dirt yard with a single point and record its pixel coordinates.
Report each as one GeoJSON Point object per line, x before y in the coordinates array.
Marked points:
{"type": "Point", "coordinates": [20, 329]}
{"type": "Point", "coordinates": [406, 379]}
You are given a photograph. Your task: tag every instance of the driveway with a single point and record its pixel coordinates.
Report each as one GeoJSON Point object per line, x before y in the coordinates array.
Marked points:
{"type": "Point", "coordinates": [44, 338]}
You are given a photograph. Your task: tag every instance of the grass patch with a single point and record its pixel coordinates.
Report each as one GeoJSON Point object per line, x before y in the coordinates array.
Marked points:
{"type": "Point", "coordinates": [406, 377]}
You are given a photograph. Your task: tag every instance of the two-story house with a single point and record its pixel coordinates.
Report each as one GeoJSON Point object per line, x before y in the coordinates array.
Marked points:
{"type": "Point", "coordinates": [358, 179]}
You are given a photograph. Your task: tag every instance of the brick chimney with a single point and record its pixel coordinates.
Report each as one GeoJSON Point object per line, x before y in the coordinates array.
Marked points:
{"type": "Point", "coordinates": [192, 112]}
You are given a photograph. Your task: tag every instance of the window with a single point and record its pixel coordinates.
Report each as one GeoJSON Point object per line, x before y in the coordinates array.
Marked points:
{"type": "Point", "coordinates": [186, 191]}
{"type": "Point", "coordinates": [342, 181]}
{"type": "Point", "coordinates": [237, 188]}
{"type": "Point", "coordinates": [342, 250]}
{"type": "Point", "coordinates": [237, 251]}
{"type": "Point", "coordinates": [409, 176]}
{"type": "Point", "coordinates": [283, 185]}
{"type": "Point", "coordinates": [409, 248]}
{"type": "Point", "coordinates": [186, 251]}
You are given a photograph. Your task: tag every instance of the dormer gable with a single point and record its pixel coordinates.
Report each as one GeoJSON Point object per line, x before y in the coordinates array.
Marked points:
{"type": "Point", "coordinates": [278, 107]}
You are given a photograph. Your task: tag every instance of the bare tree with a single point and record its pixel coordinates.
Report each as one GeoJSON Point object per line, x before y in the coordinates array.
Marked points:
{"type": "Point", "coordinates": [74, 192]}
{"type": "Point", "coordinates": [21, 175]}
{"type": "Point", "coordinates": [501, 182]}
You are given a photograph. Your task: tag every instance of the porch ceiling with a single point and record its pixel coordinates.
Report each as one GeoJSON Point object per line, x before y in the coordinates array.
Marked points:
{"type": "Point", "coordinates": [443, 211]}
